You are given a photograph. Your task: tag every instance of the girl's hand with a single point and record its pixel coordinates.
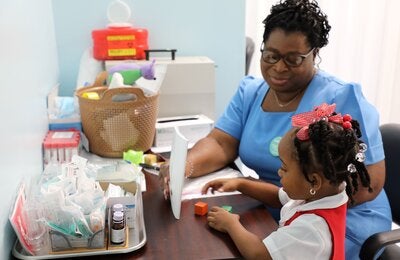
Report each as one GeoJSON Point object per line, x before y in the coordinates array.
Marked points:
{"type": "Point", "coordinates": [221, 220]}
{"type": "Point", "coordinates": [221, 185]}
{"type": "Point", "coordinates": [163, 178]}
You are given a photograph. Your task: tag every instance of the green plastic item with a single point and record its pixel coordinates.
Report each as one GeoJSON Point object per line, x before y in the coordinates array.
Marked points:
{"type": "Point", "coordinates": [131, 72]}
{"type": "Point", "coordinates": [129, 76]}
{"type": "Point", "coordinates": [227, 208]}
{"type": "Point", "coordinates": [134, 157]}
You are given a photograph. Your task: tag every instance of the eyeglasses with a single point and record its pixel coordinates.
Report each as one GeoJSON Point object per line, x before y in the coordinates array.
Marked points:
{"type": "Point", "coordinates": [291, 59]}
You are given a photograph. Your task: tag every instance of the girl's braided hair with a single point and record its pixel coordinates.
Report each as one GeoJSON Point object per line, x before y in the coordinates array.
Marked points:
{"type": "Point", "coordinates": [299, 16]}
{"type": "Point", "coordinates": [333, 150]}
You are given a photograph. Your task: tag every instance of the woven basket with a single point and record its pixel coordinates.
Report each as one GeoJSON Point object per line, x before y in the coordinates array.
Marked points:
{"type": "Point", "coordinates": [113, 126]}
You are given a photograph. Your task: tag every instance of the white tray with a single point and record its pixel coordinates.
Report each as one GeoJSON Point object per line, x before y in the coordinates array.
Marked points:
{"type": "Point", "coordinates": [137, 239]}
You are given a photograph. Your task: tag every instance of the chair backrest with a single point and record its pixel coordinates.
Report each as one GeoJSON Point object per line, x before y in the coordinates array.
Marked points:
{"type": "Point", "coordinates": [391, 143]}
{"type": "Point", "coordinates": [249, 53]}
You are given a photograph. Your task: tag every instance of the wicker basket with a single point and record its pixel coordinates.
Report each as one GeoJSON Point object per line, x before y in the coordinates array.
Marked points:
{"type": "Point", "coordinates": [113, 126]}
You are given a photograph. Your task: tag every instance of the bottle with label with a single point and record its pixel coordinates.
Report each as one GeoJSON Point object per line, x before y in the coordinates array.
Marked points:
{"type": "Point", "coordinates": [118, 228]}
{"type": "Point", "coordinates": [118, 207]}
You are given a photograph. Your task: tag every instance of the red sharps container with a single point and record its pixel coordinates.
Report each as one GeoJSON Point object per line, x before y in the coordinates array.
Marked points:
{"type": "Point", "coordinates": [119, 40]}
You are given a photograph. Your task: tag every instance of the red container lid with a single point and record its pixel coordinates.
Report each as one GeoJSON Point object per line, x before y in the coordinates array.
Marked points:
{"type": "Point", "coordinates": [61, 139]}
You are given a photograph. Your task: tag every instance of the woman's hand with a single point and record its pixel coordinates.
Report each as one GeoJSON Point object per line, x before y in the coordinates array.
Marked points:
{"type": "Point", "coordinates": [221, 185]}
{"type": "Point", "coordinates": [221, 220]}
{"type": "Point", "coordinates": [163, 177]}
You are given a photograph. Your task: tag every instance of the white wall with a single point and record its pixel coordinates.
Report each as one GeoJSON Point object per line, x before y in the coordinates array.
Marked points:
{"type": "Point", "coordinates": [256, 12]}
{"type": "Point", "coordinates": [29, 69]}
{"type": "Point", "coordinates": [364, 47]}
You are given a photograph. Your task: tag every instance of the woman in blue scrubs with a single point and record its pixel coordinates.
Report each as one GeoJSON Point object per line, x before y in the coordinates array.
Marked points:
{"type": "Point", "coordinates": [260, 112]}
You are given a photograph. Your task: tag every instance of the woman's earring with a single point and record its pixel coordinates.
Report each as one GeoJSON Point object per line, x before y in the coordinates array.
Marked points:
{"type": "Point", "coordinates": [318, 58]}
{"type": "Point", "coordinates": [312, 191]}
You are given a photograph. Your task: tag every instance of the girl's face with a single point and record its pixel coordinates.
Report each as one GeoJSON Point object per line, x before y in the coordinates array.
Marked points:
{"type": "Point", "coordinates": [292, 179]}
{"type": "Point", "coordinates": [280, 76]}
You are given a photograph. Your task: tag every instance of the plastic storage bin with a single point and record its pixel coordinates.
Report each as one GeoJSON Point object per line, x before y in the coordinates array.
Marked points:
{"type": "Point", "coordinates": [112, 126]}
{"type": "Point", "coordinates": [61, 242]}
{"type": "Point", "coordinates": [60, 146]}
{"type": "Point", "coordinates": [120, 40]}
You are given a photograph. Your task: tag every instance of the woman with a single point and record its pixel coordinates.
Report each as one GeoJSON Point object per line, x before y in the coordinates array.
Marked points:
{"type": "Point", "coordinates": [260, 113]}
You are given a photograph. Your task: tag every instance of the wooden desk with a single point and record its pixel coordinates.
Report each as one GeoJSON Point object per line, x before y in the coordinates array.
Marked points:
{"type": "Point", "coordinates": [190, 237]}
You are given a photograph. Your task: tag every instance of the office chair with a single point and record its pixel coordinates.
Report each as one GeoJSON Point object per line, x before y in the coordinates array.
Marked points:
{"type": "Point", "coordinates": [249, 53]}
{"type": "Point", "coordinates": [391, 143]}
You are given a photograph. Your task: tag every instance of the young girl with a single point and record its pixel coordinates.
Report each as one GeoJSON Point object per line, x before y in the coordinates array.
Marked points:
{"type": "Point", "coordinates": [322, 166]}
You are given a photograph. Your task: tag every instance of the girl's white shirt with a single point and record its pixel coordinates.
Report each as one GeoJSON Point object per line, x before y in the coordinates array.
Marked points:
{"type": "Point", "coordinates": [308, 236]}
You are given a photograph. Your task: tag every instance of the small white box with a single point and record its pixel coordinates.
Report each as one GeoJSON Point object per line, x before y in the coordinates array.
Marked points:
{"type": "Point", "coordinates": [129, 202]}
{"type": "Point", "coordinates": [193, 127]}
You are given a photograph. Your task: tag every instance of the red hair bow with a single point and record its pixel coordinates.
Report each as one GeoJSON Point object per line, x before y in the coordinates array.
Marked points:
{"type": "Point", "coordinates": [321, 112]}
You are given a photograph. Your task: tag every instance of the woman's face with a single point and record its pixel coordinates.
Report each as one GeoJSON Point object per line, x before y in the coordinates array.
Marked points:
{"type": "Point", "coordinates": [280, 76]}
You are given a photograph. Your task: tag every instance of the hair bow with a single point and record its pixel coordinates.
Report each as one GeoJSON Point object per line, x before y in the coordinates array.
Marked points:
{"type": "Point", "coordinates": [321, 112]}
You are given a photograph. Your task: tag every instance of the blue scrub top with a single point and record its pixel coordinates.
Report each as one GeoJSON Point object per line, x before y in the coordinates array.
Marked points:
{"type": "Point", "coordinates": [258, 131]}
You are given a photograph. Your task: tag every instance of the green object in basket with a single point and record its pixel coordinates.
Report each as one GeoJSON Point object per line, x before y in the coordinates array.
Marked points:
{"type": "Point", "coordinates": [134, 157]}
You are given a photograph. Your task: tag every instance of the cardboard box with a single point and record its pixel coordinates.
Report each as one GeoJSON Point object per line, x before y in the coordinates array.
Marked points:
{"type": "Point", "coordinates": [130, 202]}
{"type": "Point", "coordinates": [193, 127]}
{"type": "Point", "coordinates": [60, 115]}
{"type": "Point", "coordinates": [100, 240]}
{"type": "Point", "coordinates": [61, 242]}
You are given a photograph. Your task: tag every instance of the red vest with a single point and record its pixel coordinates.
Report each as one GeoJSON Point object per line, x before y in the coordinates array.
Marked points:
{"type": "Point", "coordinates": [336, 220]}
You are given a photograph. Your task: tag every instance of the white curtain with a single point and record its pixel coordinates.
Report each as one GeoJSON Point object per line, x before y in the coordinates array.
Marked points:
{"type": "Point", "coordinates": [364, 47]}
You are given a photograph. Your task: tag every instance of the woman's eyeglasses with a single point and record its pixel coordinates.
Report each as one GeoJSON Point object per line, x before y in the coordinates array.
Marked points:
{"type": "Point", "coordinates": [291, 59]}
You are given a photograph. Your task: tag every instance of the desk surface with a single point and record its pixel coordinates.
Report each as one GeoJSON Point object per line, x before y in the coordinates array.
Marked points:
{"type": "Point", "coordinates": [190, 237]}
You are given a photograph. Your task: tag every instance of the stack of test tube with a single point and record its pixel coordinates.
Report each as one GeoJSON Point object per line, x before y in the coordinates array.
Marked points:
{"type": "Point", "coordinates": [59, 146]}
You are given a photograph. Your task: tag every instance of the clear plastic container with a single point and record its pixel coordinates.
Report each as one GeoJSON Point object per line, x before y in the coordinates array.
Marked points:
{"type": "Point", "coordinates": [37, 236]}
{"type": "Point", "coordinates": [60, 145]}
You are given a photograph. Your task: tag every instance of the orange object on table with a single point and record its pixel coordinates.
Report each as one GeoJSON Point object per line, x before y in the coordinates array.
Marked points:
{"type": "Point", "coordinates": [200, 208]}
